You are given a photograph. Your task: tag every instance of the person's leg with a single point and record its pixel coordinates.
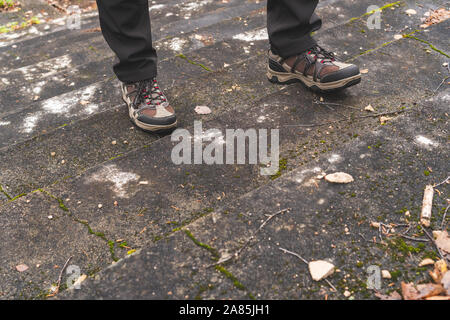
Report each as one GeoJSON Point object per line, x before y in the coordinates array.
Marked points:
{"type": "Point", "coordinates": [295, 56]}
{"type": "Point", "coordinates": [290, 23]}
{"type": "Point", "coordinates": [126, 27]}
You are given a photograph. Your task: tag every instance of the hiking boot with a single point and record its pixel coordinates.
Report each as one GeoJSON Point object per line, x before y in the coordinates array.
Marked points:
{"type": "Point", "coordinates": [148, 106]}
{"type": "Point", "coordinates": [316, 68]}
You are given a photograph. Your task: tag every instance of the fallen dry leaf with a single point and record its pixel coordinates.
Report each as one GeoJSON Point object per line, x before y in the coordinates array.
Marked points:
{"type": "Point", "coordinates": [320, 269]}
{"type": "Point", "coordinates": [369, 108]}
{"type": "Point", "coordinates": [22, 267]}
{"type": "Point", "coordinates": [443, 242]}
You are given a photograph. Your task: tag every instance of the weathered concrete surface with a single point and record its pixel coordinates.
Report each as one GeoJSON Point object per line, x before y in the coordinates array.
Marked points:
{"type": "Point", "coordinates": [326, 221]}
{"type": "Point", "coordinates": [314, 129]}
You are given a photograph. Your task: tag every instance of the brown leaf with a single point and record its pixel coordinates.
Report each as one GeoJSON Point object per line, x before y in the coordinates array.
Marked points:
{"type": "Point", "coordinates": [393, 296]}
{"type": "Point", "coordinates": [438, 298]}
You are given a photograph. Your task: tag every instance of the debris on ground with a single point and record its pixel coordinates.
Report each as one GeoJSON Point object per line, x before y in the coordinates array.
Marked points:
{"type": "Point", "coordinates": [392, 296]}
{"type": "Point", "coordinates": [436, 16]}
{"type": "Point", "coordinates": [443, 242]}
{"type": "Point", "coordinates": [10, 6]}
{"type": "Point", "coordinates": [63, 5]}
{"type": "Point", "coordinates": [202, 110]}
{"type": "Point", "coordinates": [320, 269]}
{"type": "Point", "coordinates": [339, 177]}
{"type": "Point", "coordinates": [426, 262]}
{"type": "Point", "coordinates": [386, 274]}
{"type": "Point", "coordinates": [369, 108]}
{"type": "Point", "coordinates": [22, 267]}
{"type": "Point", "coordinates": [427, 205]}
{"type": "Point", "coordinates": [384, 119]}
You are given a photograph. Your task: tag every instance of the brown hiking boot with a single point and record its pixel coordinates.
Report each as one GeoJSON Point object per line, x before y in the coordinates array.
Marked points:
{"type": "Point", "coordinates": [148, 106]}
{"type": "Point", "coordinates": [316, 68]}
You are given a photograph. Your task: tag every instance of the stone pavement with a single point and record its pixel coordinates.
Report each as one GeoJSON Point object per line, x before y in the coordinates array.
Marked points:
{"type": "Point", "coordinates": [68, 191]}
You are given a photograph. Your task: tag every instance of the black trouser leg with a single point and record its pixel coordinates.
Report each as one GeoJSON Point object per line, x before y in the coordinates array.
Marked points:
{"type": "Point", "coordinates": [126, 27]}
{"type": "Point", "coordinates": [290, 23]}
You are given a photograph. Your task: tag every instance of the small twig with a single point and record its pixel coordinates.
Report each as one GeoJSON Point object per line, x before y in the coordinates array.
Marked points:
{"type": "Point", "coordinates": [259, 229]}
{"type": "Point", "coordinates": [412, 238]}
{"type": "Point", "coordinates": [443, 218]}
{"type": "Point", "coordinates": [306, 262]}
{"type": "Point", "coordinates": [60, 278]}
{"type": "Point", "coordinates": [237, 253]}
{"type": "Point", "coordinates": [337, 104]}
{"type": "Point", "coordinates": [440, 85]}
{"type": "Point", "coordinates": [348, 119]}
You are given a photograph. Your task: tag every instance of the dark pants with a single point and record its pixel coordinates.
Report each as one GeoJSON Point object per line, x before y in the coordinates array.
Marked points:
{"type": "Point", "coordinates": [126, 27]}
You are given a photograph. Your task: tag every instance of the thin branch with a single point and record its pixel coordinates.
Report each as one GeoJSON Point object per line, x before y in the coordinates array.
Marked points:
{"type": "Point", "coordinates": [59, 279]}
{"type": "Point", "coordinates": [294, 254]}
{"type": "Point", "coordinates": [411, 238]}
{"type": "Point", "coordinates": [337, 104]}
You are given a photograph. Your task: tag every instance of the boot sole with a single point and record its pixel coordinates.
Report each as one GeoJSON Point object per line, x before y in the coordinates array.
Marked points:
{"type": "Point", "coordinates": [290, 78]}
